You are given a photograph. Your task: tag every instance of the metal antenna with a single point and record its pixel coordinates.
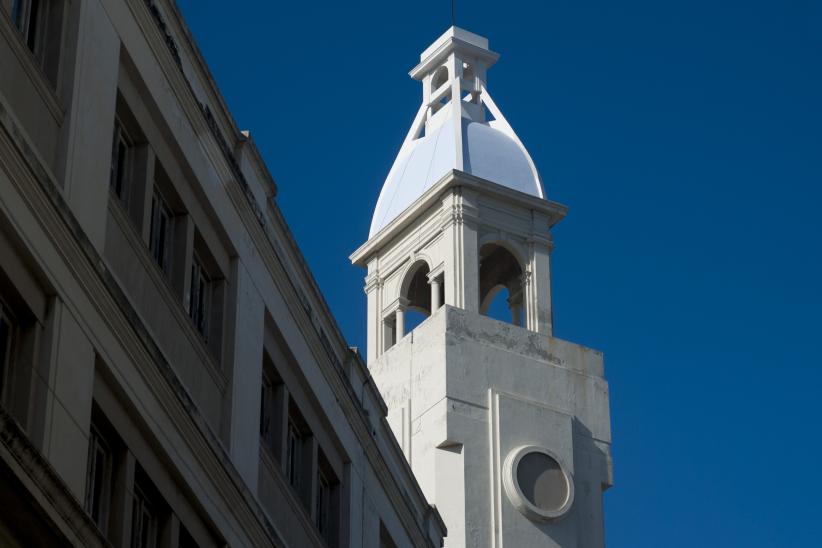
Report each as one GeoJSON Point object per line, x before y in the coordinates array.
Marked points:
{"type": "Point", "coordinates": [453, 17]}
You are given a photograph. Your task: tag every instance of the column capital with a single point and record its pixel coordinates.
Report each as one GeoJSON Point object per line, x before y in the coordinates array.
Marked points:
{"type": "Point", "coordinates": [435, 273]}
{"type": "Point", "coordinates": [400, 303]}
{"type": "Point", "coordinates": [371, 281]}
{"type": "Point", "coordinates": [526, 277]}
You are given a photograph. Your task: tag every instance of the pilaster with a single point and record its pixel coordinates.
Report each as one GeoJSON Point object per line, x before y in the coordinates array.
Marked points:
{"type": "Point", "coordinates": [91, 121]}
{"type": "Point", "coordinates": [373, 289]}
{"type": "Point", "coordinates": [246, 376]}
{"type": "Point", "coordinates": [462, 257]}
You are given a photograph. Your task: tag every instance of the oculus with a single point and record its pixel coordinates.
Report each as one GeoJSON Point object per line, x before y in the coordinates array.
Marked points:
{"type": "Point", "coordinates": [537, 484]}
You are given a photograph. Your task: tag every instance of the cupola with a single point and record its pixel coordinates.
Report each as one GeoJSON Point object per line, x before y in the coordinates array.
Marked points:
{"type": "Point", "coordinates": [458, 127]}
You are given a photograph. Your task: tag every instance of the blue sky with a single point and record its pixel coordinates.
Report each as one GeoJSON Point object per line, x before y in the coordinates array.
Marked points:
{"type": "Point", "coordinates": [685, 137]}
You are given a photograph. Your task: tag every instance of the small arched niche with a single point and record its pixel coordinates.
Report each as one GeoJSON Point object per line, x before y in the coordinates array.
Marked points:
{"type": "Point", "coordinates": [501, 289]}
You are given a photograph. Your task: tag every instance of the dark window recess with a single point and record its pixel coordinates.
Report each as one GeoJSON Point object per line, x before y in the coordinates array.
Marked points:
{"type": "Point", "coordinates": [385, 538]}
{"type": "Point", "coordinates": [272, 394]}
{"type": "Point", "coordinates": [143, 520]}
{"type": "Point", "coordinates": [186, 540]}
{"type": "Point", "coordinates": [199, 297]}
{"type": "Point", "coordinates": [120, 176]}
{"type": "Point", "coordinates": [293, 457]}
{"type": "Point", "coordinates": [266, 410]}
{"type": "Point", "coordinates": [27, 16]}
{"type": "Point", "coordinates": [327, 509]}
{"type": "Point", "coordinates": [98, 479]}
{"type": "Point", "coordinates": [160, 232]}
{"type": "Point", "coordinates": [7, 328]}
{"type": "Point", "coordinates": [39, 22]}
{"type": "Point", "coordinates": [323, 510]}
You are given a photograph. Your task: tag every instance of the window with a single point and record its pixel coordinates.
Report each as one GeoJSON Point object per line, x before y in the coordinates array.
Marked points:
{"type": "Point", "coordinates": [323, 502]}
{"type": "Point", "coordinates": [120, 163]}
{"type": "Point", "coordinates": [326, 512]}
{"type": "Point", "coordinates": [185, 539]}
{"type": "Point", "coordinates": [385, 538]}
{"type": "Point", "coordinates": [199, 297]}
{"type": "Point", "coordinates": [160, 232]}
{"type": "Point", "coordinates": [325, 517]}
{"type": "Point", "coordinates": [265, 407]}
{"type": "Point", "coordinates": [98, 479]}
{"type": "Point", "coordinates": [7, 329]}
{"type": "Point", "coordinates": [143, 521]}
{"type": "Point", "coordinates": [267, 412]}
{"type": "Point", "coordinates": [39, 23]}
{"type": "Point", "coordinates": [293, 456]}
{"type": "Point", "coordinates": [501, 284]}
{"type": "Point", "coordinates": [272, 413]}
{"type": "Point", "coordinates": [28, 17]}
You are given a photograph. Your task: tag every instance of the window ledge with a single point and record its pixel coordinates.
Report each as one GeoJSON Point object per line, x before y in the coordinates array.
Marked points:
{"type": "Point", "coordinates": [161, 282]}
{"type": "Point", "coordinates": [288, 491]}
{"type": "Point", "coordinates": [32, 67]}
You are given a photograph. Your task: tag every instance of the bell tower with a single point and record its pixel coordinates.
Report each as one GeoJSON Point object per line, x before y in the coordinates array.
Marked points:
{"type": "Point", "coordinates": [506, 427]}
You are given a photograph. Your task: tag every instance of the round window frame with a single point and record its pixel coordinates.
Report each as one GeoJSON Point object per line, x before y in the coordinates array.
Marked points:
{"type": "Point", "coordinates": [514, 491]}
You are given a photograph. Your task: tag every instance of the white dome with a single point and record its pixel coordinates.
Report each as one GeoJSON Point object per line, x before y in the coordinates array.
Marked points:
{"type": "Point", "coordinates": [488, 152]}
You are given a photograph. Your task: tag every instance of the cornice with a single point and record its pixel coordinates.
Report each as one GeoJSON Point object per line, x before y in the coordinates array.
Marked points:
{"type": "Point", "coordinates": [444, 50]}
{"type": "Point", "coordinates": [455, 178]}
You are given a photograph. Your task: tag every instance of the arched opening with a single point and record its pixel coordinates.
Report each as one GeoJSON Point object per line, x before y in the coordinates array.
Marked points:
{"type": "Point", "coordinates": [440, 77]}
{"type": "Point", "coordinates": [417, 295]}
{"type": "Point", "coordinates": [468, 73]}
{"type": "Point", "coordinates": [501, 289]}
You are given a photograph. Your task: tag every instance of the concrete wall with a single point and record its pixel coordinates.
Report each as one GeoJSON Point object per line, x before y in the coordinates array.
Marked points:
{"type": "Point", "coordinates": [470, 390]}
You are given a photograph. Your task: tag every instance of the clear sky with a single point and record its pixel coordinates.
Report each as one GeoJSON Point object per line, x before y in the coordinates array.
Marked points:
{"type": "Point", "coordinates": [686, 139]}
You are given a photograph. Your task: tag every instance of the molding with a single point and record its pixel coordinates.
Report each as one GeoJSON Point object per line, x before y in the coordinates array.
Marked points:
{"type": "Point", "coordinates": [514, 491]}
{"type": "Point", "coordinates": [372, 281]}
{"type": "Point", "coordinates": [396, 304]}
{"type": "Point", "coordinates": [395, 258]}
{"type": "Point", "coordinates": [436, 271]}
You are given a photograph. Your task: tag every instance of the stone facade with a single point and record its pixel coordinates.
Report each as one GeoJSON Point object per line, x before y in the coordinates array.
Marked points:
{"type": "Point", "coordinates": [506, 427]}
{"type": "Point", "coordinates": [170, 375]}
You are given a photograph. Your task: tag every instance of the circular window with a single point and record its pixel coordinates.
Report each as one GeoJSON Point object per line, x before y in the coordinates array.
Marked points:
{"type": "Point", "coordinates": [537, 484]}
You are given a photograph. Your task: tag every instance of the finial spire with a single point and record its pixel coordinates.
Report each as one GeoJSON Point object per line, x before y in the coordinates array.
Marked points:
{"type": "Point", "coordinates": [453, 14]}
